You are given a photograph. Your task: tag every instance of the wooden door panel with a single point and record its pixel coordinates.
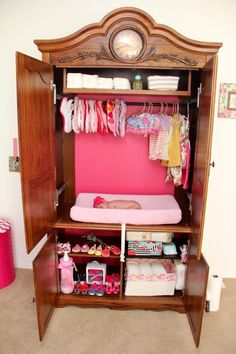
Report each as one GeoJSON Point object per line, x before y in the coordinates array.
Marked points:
{"type": "Point", "coordinates": [203, 150]}
{"type": "Point", "coordinates": [45, 268]}
{"type": "Point", "coordinates": [36, 140]}
{"type": "Point", "coordinates": [195, 292]}
{"type": "Point", "coordinates": [205, 122]}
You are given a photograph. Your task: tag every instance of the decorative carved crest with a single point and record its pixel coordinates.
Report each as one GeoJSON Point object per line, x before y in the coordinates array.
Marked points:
{"type": "Point", "coordinates": [104, 54]}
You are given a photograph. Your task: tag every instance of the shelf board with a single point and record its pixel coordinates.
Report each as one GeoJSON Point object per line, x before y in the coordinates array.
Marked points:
{"type": "Point", "coordinates": [65, 222]}
{"type": "Point", "coordinates": [126, 92]}
{"type": "Point", "coordinates": [174, 302]}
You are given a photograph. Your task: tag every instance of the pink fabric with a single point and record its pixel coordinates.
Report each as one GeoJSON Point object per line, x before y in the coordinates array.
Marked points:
{"type": "Point", "coordinates": [155, 210]}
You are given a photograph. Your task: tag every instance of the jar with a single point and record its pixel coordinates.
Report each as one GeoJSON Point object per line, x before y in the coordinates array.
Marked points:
{"type": "Point", "coordinates": [137, 83]}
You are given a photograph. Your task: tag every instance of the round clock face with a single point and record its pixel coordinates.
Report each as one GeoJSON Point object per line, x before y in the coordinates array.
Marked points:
{"type": "Point", "coordinates": [127, 44]}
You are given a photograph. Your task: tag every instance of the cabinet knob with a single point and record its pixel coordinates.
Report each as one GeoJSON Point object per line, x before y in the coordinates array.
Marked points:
{"type": "Point", "coordinates": [212, 164]}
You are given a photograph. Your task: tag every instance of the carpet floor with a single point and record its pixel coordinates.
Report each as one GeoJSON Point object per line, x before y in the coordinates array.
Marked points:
{"type": "Point", "coordinates": [104, 331]}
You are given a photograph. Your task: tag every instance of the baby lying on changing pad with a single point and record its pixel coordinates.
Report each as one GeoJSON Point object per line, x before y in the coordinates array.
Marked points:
{"type": "Point", "coordinates": [100, 202]}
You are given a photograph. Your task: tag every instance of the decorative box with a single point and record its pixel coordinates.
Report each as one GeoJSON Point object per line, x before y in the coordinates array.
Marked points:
{"type": "Point", "coordinates": [96, 273]}
{"type": "Point", "coordinates": [144, 248]}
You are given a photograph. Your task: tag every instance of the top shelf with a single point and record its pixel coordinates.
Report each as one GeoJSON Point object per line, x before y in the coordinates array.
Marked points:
{"type": "Point", "coordinates": [126, 92]}
{"type": "Point", "coordinates": [184, 86]}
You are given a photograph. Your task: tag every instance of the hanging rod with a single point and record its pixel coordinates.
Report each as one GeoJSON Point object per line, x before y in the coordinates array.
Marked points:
{"type": "Point", "coordinates": [183, 103]}
{"type": "Point", "coordinates": [159, 104]}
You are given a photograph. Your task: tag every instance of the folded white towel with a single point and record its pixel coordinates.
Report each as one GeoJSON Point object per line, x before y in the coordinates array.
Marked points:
{"type": "Point", "coordinates": [74, 76]}
{"type": "Point", "coordinates": [105, 82]}
{"type": "Point", "coordinates": [90, 81]}
{"type": "Point", "coordinates": [157, 269]}
{"type": "Point", "coordinates": [74, 80]}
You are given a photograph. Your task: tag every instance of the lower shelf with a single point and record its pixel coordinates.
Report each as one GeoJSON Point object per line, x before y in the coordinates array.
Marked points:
{"type": "Point", "coordinates": [174, 302]}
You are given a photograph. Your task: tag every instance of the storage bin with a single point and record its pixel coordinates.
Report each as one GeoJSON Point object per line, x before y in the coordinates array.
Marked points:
{"type": "Point", "coordinates": [156, 277]}
{"type": "Point", "coordinates": [7, 270]}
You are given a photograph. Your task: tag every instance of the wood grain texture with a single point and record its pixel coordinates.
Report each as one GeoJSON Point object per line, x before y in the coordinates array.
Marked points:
{"type": "Point", "coordinates": [36, 140]}
{"type": "Point", "coordinates": [46, 283]}
{"type": "Point", "coordinates": [91, 46]}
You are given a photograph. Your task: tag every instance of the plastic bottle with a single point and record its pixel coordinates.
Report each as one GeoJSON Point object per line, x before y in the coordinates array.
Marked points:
{"type": "Point", "coordinates": [66, 265]}
{"type": "Point", "coordinates": [137, 83]}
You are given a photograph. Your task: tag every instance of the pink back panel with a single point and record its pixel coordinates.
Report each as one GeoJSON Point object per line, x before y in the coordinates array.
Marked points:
{"type": "Point", "coordinates": [108, 164]}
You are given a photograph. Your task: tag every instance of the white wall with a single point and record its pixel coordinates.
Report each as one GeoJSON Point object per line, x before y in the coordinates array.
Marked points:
{"type": "Point", "coordinates": [214, 20]}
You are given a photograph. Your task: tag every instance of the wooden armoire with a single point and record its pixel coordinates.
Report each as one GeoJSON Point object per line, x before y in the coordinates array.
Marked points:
{"type": "Point", "coordinates": [47, 154]}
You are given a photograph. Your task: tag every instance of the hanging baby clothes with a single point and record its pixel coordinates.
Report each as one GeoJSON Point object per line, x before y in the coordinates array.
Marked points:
{"type": "Point", "coordinates": [174, 145]}
{"type": "Point", "coordinates": [159, 144]}
{"type": "Point", "coordinates": [174, 173]}
{"type": "Point", "coordinates": [142, 124]}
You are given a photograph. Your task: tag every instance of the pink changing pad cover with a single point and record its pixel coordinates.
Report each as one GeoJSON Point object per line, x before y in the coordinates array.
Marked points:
{"type": "Point", "coordinates": [155, 210]}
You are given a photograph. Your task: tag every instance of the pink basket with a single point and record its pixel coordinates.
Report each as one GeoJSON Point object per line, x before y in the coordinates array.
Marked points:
{"type": "Point", "coordinates": [7, 270]}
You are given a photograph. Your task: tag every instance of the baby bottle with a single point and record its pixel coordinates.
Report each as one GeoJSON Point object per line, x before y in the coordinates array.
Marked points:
{"type": "Point", "coordinates": [137, 83]}
{"type": "Point", "coordinates": [66, 265]}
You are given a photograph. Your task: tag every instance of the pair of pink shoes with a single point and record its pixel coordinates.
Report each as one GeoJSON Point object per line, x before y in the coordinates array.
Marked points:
{"type": "Point", "coordinates": [112, 284]}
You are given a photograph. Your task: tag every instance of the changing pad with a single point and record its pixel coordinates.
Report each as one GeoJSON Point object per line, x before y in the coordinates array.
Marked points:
{"type": "Point", "coordinates": [155, 210]}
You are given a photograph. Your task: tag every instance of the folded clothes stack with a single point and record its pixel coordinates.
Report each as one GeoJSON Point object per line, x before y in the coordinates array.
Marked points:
{"type": "Point", "coordinates": [121, 83]}
{"type": "Point", "coordinates": [74, 80]}
{"type": "Point", "coordinates": [105, 83]}
{"type": "Point", "coordinates": [90, 81]}
{"type": "Point", "coordinates": [162, 82]}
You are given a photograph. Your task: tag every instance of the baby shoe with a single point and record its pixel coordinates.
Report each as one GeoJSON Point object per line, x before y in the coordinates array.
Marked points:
{"type": "Point", "coordinates": [108, 288]}
{"type": "Point", "coordinates": [92, 249]}
{"type": "Point", "coordinates": [106, 252]}
{"type": "Point", "coordinates": [84, 248]}
{"type": "Point", "coordinates": [77, 288]}
{"type": "Point", "coordinates": [100, 290]}
{"type": "Point", "coordinates": [76, 248]}
{"type": "Point", "coordinates": [83, 288]}
{"type": "Point", "coordinates": [116, 278]}
{"type": "Point", "coordinates": [98, 251]}
{"type": "Point", "coordinates": [116, 289]}
{"type": "Point", "coordinates": [92, 289]}
{"type": "Point", "coordinates": [115, 250]}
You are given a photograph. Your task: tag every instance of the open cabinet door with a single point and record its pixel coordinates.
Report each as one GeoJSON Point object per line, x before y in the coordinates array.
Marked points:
{"type": "Point", "coordinates": [45, 268]}
{"type": "Point", "coordinates": [195, 294]}
{"type": "Point", "coordinates": [36, 141]}
{"type": "Point", "coordinates": [203, 150]}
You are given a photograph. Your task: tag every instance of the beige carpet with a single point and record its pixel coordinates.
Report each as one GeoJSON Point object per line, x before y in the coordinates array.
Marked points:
{"type": "Point", "coordinates": [104, 331]}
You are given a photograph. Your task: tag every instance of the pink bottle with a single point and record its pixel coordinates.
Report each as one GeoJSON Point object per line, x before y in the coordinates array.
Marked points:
{"type": "Point", "coordinates": [67, 282]}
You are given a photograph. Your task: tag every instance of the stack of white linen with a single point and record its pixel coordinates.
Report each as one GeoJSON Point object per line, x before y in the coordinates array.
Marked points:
{"type": "Point", "coordinates": [90, 81]}
{"type": "Point", "coordinates": [105, 83]}
{"type": "Point", "coordinates": [121, 83]}
{"type": "Point", "coordinates": [74, 80]}
{"type": "Point", "coordinates": [162, 82]}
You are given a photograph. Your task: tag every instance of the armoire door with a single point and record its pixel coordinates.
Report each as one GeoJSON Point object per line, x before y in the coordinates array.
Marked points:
{"type": "Point", "coordinates": [45, 269]}
{"type": "Point", "coordinates": [203, 151]}
{"type": "Point", "coordinates": [195, 293]}
{"type": "Point", "coordinates": [36, 142]}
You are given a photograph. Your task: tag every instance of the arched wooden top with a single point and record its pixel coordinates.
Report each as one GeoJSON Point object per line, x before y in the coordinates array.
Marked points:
{"type": "Point", "coordinates": [90, 46]}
